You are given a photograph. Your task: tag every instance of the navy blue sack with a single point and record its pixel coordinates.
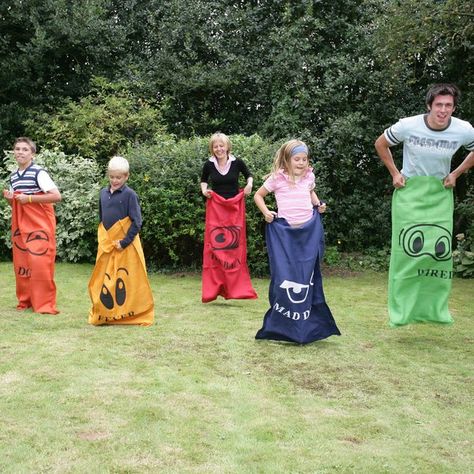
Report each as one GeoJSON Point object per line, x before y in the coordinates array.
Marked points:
{"type": "Point", "coordinates": [298, 310]}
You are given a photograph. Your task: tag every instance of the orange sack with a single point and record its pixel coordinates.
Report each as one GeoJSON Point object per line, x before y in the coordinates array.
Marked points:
{"type": "Point", "coordinates": [34, 253]}
{"type": "Point", "coordinates": [119, 287]}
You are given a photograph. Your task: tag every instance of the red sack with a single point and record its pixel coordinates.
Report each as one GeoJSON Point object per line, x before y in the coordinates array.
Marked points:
{"type": "Point", "coordinates": [34, 254]}
{"type": "Point", "coordinates": [224, 269]}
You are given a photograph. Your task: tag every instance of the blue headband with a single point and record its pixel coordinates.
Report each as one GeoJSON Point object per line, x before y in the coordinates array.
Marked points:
{"type": "Point", "coordinates": [299, 149]}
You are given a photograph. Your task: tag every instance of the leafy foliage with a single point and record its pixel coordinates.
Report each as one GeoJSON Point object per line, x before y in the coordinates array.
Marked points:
{"type": "Point", "coordinates": [77, 179]}
{"type": "Point", "coordinates": [110, 75]}
{"type": "Point", "coordinates": [463, 255]}
{"type": "Point", "coordinates": [49, 50]}
{"type": "Point", "coordinates": [166, 177]}
{"type": "Point", "coordinates": [100, 124]}
{"type": "Point", "coordinates": [463, 258]}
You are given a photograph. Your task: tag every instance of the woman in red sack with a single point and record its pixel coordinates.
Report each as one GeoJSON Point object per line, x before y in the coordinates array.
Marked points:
{"type": "Point", "coordinates": [31, 195]}
{"type": "Point", "coordinates": [225, 270]}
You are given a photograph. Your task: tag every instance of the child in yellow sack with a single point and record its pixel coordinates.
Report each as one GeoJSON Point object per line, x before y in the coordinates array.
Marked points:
{"type": "Point", "coordinates": [119, 287]}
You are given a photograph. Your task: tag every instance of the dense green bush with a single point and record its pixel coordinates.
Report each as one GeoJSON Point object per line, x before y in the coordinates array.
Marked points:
{"type": "Point", "coordinates": [354, 183]}
{"type": "Point", "coordinates": [374, 259]}
{"type": "Point", "coordinates": [166, 177]}
{"type": "Point", "coordinates": [463, 258]}
{"type": "Point", "coordinates": [100, 124]}
{"type": "Point", "coordinates": [463, 255]}
{"type": "Point", "coordinates": [78, 181]}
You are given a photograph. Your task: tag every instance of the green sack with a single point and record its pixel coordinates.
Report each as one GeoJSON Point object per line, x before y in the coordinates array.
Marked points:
{"type": "Point", "coordinates": [421, 266]}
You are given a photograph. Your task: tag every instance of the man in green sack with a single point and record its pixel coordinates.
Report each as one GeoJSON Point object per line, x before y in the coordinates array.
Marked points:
{"type": "Point", "coordinates": [421, 266]}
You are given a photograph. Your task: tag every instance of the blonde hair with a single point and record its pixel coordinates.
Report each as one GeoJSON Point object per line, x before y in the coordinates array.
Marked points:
{"type": "Point", "coordinates": [220, 136]}
{"type": "Point", "coordinates": [118, 163]}
{"type": "Point", "coordinates": [282, 158]}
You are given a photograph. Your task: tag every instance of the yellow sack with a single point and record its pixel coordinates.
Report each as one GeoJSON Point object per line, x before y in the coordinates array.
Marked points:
{"type": "Point", "coordinates": [119, 287]}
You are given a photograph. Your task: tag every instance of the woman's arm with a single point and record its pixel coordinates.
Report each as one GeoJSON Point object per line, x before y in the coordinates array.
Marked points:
{"type": "Point", "coordinates": [206, 192]}
{"type": "Point", "coordinates": [205, 179]}
{"type": "Point", "coordinates": [249, 185]}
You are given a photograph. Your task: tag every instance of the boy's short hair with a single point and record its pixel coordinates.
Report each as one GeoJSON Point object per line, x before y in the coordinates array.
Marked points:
{"type": "Point", "coordinates": [118, 163]}
{"type": "Point", "coordinates": [442, 89]}
{"type": "Point", "coordinates": [27, 140]}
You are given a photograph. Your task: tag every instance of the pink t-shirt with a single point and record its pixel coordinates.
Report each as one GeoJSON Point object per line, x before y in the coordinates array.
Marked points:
{"type": "Point", "coordinates": [293, 198]}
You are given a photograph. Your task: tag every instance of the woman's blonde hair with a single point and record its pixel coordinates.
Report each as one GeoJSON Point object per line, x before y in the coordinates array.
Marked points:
{"type": "Point", "coordinates": [220, 136]}
{"type": "Point", "coordinates": [283, 156]}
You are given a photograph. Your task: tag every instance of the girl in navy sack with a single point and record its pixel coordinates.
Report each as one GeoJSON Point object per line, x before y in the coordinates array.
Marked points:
{"type": "Point", "coordinates": [295, 242]}
{"type": "Point", "coordinates": [293, 182]}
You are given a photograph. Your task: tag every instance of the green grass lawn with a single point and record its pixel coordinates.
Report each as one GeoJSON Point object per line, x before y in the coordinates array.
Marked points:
{"type": "Point", "coordinates": [195, 393]}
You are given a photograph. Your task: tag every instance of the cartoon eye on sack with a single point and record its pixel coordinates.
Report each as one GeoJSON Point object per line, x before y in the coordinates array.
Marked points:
{"type": "Point", "coordinates": [36, 243]}
{"type": "Point", "coordinates": [225, 238]}
{"type": "Point", "coordinates": [426, 239]}
{"type": "Point", "coordinates": [120, 292]}
{"type": "Point", "coordinates": [17, 234]}
{"type": "Point", "coordinates": [296, 292]}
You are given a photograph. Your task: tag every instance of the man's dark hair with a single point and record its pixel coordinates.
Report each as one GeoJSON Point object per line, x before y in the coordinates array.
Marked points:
{"type": "Point", "coordinates": [442, 89]}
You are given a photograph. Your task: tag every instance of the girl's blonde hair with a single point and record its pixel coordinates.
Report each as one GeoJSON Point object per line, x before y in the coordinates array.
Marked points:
{"type": "Point", "coordinates": [220, 136]}
{"type": "Point", "coordinates": [118, 163]}
{"type": "Point", "coordinates": [282, 158]}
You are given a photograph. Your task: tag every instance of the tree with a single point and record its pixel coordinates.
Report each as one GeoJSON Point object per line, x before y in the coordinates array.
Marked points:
{"type": "Point", "coordinates": [426, 41]}
{"type": "Point", "coordinates": [50, 49]}
{"type": "Point", "coordinates": [100, 124]}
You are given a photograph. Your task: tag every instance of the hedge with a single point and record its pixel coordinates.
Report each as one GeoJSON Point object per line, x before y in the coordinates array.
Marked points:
{"type": "Point", "coordinates": [78, 179]}
{"type": "Point", "coordinates": [167, 175]}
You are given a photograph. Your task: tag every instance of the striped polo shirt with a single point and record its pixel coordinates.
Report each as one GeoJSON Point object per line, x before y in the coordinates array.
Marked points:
{"type": "Point", "coordinates": [26, 182]}
{"type": "Point", "coordinates": [32, 180]}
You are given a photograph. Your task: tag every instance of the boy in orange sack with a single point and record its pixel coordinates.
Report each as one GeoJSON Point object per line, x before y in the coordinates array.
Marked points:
{"type": "Point", "coordinates": [31, 196]}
